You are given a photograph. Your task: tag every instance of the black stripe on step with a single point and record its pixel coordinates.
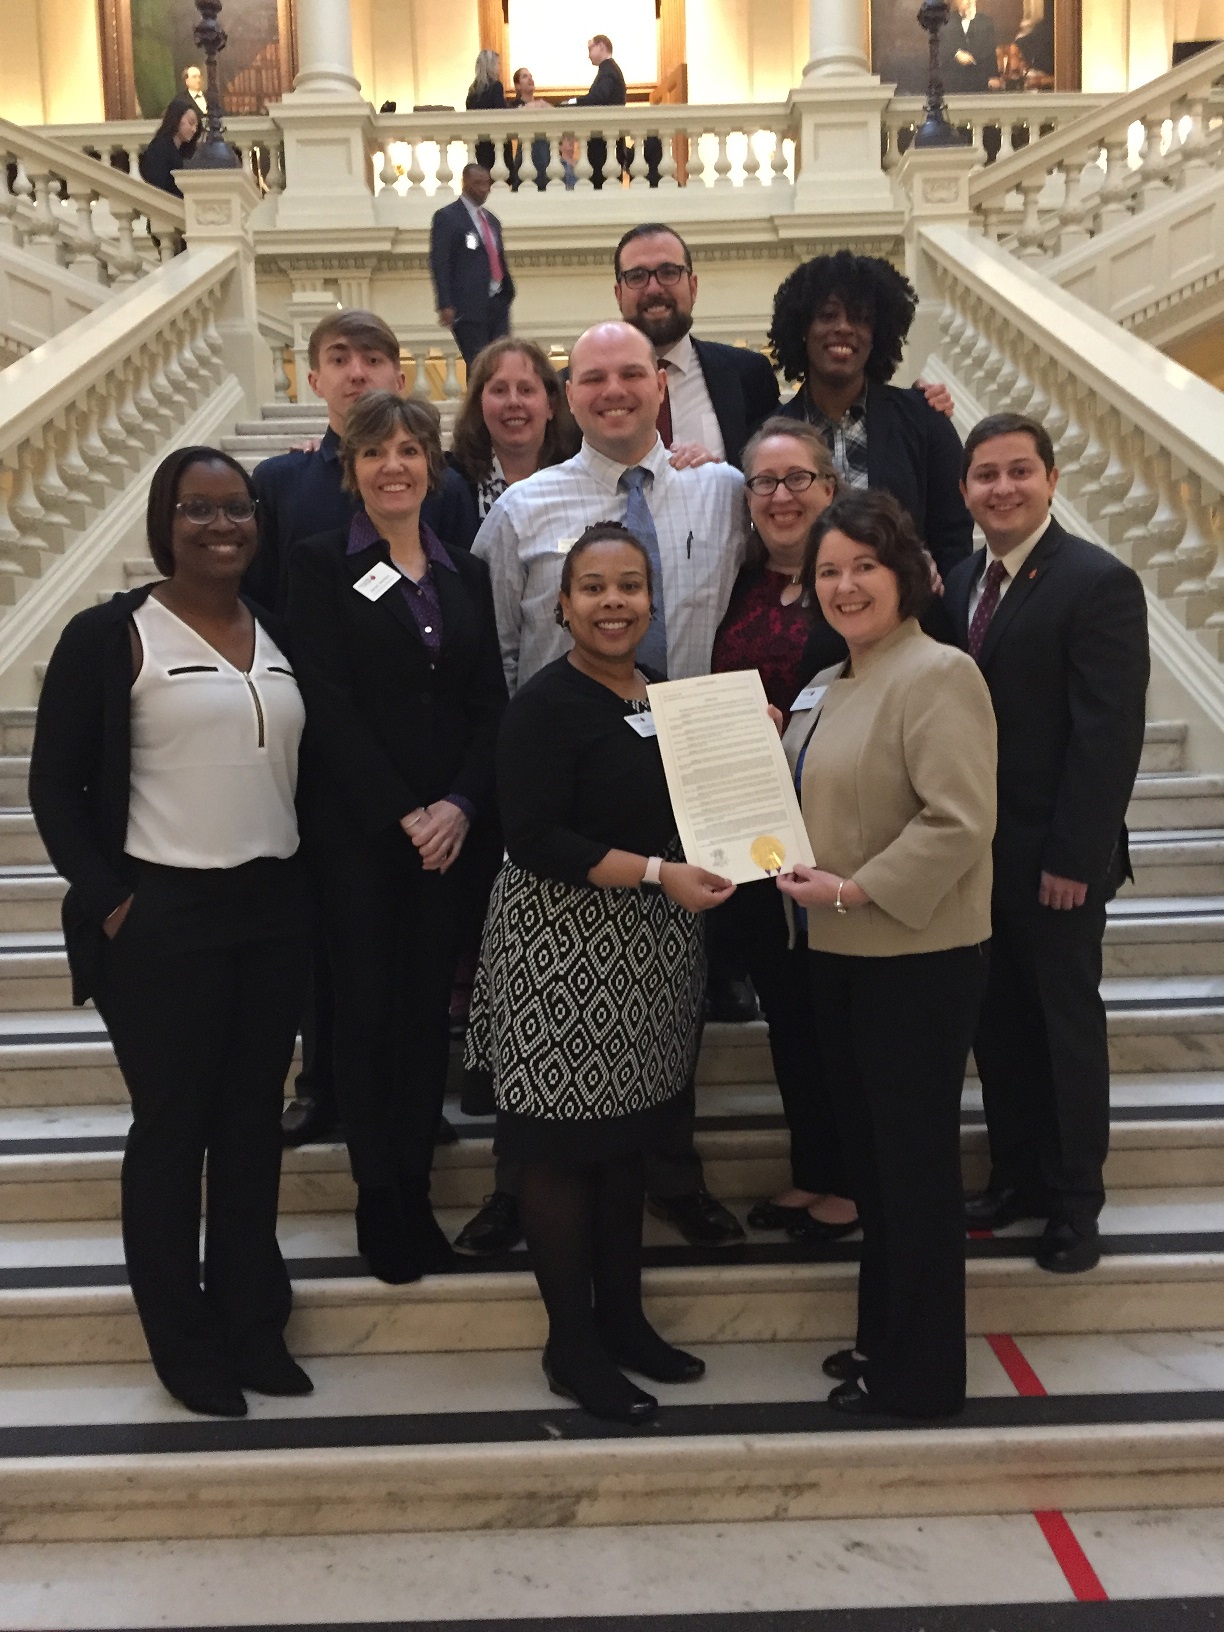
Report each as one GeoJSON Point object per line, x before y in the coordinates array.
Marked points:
{"type": "Point", "coordinates": [1142, 1615]}
{"type": "Point", "coordinates": [39, 1277]}
{"type": "Point", "coordinates": [551, 1423]}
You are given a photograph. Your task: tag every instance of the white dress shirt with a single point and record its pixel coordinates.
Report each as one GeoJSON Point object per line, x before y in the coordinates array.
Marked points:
{"type": "Point", "coordinates": [1012, 562]}
{"type": "Point", "coordinates": [478, 215]}
{"type": "Point", "coordinates": [692, 412]}
{"type": "Point", "coordinates": [701, 522]}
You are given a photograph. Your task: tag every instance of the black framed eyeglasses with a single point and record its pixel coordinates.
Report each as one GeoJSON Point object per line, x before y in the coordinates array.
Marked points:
{"type": "Point", "coordinates": [795, 481]}
{"type": "Point", "coordinates": [202, 512]}
{"type": "Point", "coordinates": [666, 276]}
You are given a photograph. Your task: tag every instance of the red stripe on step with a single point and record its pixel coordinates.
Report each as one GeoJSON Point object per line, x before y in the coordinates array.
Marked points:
{"type": "Point", "coordinates": [1020, 1374]}
{"type": "Point", "coordinates": [1072, 1559]}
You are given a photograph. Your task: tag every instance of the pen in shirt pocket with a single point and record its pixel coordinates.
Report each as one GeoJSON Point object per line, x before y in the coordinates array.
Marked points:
{"type": "Point", "coordinates": [688, 547]}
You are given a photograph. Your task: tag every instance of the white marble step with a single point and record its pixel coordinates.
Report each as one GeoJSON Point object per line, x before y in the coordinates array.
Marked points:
{"type": "Point", "coordinates": [1176, 862]}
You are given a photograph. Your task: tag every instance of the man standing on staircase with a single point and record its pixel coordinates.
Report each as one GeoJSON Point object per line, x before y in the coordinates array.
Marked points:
{"type": "Point", "coordinates": [1059, 628]}
{"type": "Point", "coordinates": [467, 260]}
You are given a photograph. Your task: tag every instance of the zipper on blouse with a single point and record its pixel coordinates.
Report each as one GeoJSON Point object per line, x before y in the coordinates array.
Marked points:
{"type": "Point", "coordinates": [259, 713]}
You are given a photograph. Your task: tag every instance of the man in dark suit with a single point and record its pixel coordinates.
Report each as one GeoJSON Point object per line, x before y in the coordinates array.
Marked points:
{"type": "Point", "coordinates": [1059, 628]}
{"type": "Point", "coordinates": [607, 91]}
{"type": "Point", "coordinates": [967, 57]}
{"type": "Point", "coordinates": [472, 285]}
{"type": "Point", "coordinates": [717, 395]}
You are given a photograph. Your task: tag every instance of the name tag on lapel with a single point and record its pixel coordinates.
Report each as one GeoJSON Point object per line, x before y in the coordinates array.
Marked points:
{"type": "Point", "coordinates": [643, 724]}
{"type": "Point", "coordinates": [807, 699]}
{"type": "Point", "coordinates": [472, 241]}
{"type": "Point", "coordinates": [377, 581]}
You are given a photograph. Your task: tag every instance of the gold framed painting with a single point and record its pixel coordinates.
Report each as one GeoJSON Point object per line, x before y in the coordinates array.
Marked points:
{"type": "Point", "coordinates": [146, 44]}
{"type": "Point", "coordinates": [987, 46]}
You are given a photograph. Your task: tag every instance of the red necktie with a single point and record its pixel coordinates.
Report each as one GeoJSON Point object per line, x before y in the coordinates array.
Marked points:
{"type": "Point", "coordinates": [663, 424]}
{"type": "Point", "coordinates": [991, 585]}
{"type": "Point", "coordinates": [497, 271]}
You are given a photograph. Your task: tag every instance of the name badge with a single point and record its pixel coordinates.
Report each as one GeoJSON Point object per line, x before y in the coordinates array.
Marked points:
{"type": "Point", "coordinates": [565, 545]}
{"type": "Point", "coordinates": [807, 699]}
{"type": "Point", "coordinates": [643, 724]}
{"type": "Point", "coordinates": [472, 241]}
{"type": "Point", "coordinates": [377, 581]}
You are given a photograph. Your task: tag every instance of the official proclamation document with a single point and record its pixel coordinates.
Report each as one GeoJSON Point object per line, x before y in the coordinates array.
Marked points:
{"type": "Point", "coordinates": [730, 785]}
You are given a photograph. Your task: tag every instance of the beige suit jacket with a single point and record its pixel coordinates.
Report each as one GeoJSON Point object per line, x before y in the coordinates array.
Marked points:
{"type": "Point", "coordinates": [898, 793]}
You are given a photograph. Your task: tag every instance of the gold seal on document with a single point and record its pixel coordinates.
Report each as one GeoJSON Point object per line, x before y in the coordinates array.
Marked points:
{"type": "Point", "coordinates": [768, 853]}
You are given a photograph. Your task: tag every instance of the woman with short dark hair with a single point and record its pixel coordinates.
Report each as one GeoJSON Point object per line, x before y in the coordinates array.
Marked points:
{"type": "Point", "coordinates": [401, 670]}
{"type": "Point", "coordinates": [163, 779]}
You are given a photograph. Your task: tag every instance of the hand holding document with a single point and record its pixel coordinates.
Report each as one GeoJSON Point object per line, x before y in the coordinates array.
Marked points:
{"type": "Point", "coordinates": [730, 785]}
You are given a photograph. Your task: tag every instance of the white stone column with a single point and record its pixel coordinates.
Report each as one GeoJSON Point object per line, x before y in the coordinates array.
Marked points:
{"type": "Point", "coordinates": [325, 49]}
{"type": "Point", "coordinates": [839, 39]}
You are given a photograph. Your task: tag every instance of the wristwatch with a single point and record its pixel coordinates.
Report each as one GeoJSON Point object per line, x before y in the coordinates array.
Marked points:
{"type": "Point", "coordinates": [654, 865]}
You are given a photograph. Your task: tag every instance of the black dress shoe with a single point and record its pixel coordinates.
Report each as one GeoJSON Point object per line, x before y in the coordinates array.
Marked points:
{"type": "Point", "coordinates": [645, 1352]}
{"type": "Point", "coordinates": [809, 1229]}
{"type": "Point", "coordinates": [844, 1364]}
{"type": "Point", "coordinates": [995, 1209]}
{"type": "Point", "coordinates": [852, 1400]}
{"type": "Point", "coordinates": [208, 1395]}
{"type": "Point", "coordinates": [1065, 1250]}
{"type": "Point", "coordinates": [770, 1215]}
{"type": "Point", "coordinates": [702, 1220]}
{"type": "Point", "coordinates": [308, 1121]}
{"type": "Point", "coordinates": [625, 1404]}
{"type": "Point", "coordinates": [447, 1134]}
{"type": "Point", "coordinates": [733, 1002]}
{"type": "Point", "coordinates": [273, 1371]}
{"type": "Point", "coordinates": [495, 1228]}
{"type": "Point", "coordinates": [383, 1238]}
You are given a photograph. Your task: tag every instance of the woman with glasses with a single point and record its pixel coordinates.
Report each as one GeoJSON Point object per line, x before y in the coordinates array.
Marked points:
{"type": "Point", "coordinates": [771, 626]}
{"type": "Point", "coordinates": [163, 781]}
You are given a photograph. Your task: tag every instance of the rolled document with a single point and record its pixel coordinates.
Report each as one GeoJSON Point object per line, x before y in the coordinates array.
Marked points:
{"type": "Point", "coordinates": [730, 785]}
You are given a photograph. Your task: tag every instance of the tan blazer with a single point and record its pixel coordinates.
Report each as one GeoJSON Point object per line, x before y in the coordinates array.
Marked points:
{"type": "Point", "coordinates": [898, 793]}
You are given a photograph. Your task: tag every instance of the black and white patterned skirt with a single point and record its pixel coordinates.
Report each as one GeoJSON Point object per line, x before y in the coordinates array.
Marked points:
{"type": "Point", "coordinates": [586, 1012]}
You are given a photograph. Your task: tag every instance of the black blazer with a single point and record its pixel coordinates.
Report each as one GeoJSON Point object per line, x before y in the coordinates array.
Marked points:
{"type": "Point", "coordinates": [81, 769]}
{"type": "Point", "coordinates": [493, 96]}
{"type": "Point", "coordinates": [969, 79]}
{"type": "Point", "coordinates": [390, 727]}
{"type": "Point", "coordinates": [743, 391]}
{"type": "Point", "coordinates": [1066, 660]}
{"type": "Point", "coordinates": [158, 160]}
{"type": "Point", "coordinates": [460, 271]}
{"type": "Point", "coordinates": [607, 88]}
{"type": "Point", "coordinates": [915, 454]}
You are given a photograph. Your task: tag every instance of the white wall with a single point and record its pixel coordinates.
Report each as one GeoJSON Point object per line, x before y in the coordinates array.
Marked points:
{"type": "Point", "coordinates": [745, 50]}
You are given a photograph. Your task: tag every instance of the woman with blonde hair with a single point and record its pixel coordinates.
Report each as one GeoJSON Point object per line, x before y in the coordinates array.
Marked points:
{"type": "Point", "coordinates": [486, 91]}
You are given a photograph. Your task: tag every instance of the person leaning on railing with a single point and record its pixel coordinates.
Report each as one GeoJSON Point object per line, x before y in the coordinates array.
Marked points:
{"type": "Point", "coordinates": [163, 780]}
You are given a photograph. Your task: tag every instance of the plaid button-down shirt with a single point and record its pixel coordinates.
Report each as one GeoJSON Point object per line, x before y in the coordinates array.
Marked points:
{"type": "Point", "coordinates": [847, 437]}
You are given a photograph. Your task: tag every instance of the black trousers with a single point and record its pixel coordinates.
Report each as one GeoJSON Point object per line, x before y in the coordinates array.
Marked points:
{"type": "Point", "coordinates": [473, 335]}
{"type": "Point", "coordinates": [393, 935]}
{"type": "Point", "coordinates": [200, 991]}
{"type": "Point", "coordinates": [1043, 1056]}
{"type": "Point", "coordinates": [316, 1080]}
{"type": "Point", "coordinates": [895, 1034]}
{"type": "Point", "coordinates": [752, 928]}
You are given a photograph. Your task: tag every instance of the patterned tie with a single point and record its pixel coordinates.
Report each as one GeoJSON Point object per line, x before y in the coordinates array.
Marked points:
{"type": "Point", "coordinates": [497, 271]}
{"type": "Point", "coordinates": [995, 574]}
{"type": "Point", "coordinates": [652, 648]}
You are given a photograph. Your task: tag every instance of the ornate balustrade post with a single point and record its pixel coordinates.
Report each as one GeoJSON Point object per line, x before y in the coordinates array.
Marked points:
{"type": "Point", "coordinates": [934, 182]}
{"type": "Point", "coordinates": [219, 205]}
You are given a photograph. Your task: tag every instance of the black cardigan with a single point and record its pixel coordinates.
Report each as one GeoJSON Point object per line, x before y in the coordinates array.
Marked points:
{"type": "Point", "coordinates": [81, 770]}
{"type": "Point", "coordinates": [390, 727]}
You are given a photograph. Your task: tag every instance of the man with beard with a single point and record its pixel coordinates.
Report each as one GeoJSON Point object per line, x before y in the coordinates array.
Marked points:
{"type": "Point", "coordinates": [716, 395]}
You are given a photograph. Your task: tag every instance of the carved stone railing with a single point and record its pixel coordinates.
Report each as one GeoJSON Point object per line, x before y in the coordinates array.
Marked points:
{"type": "Point", "coordinates": [73, 211]}
{"type": "Point", "coordinates": [1139, 441]}
{"type": "Point", "coordinates": [1000, 123]}
{"type": "Point", "coordinates": [120, 143]}
{"type": "Point", "coordinates": [38, 300]}
{"type": "Point", "coordinates": [1092, 172]}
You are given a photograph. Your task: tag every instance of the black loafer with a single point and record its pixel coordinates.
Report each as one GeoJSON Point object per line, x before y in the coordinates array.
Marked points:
{"type": "Point", "coordinates": [495, 1228]}
{"type": "Point", "coordinates": [852, 1400]}
{"type": "Point", "coordinates": [637, 1408]}
{"type": "Point", "coordinates": [844, 1365]}
{"type": "Point", "coordinates": [771, 1215]}
{"type": "Point", "coordinates": [308, 1121]}
{"type": "Point", "coordinates": [1065, 1250]}
{"type": "Point", "coordinates": [702, 1220]}
{"type": "Point", "coordinates": [809, 1229]}
{"type": "Point", "coordinates": [996, 1209]}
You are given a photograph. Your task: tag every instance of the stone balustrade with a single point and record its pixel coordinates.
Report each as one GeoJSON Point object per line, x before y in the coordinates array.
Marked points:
{"type": "Point", "coordinates": [70, 209]}
{"type": "Point", "coordinates": [1092, 172]}
{"type": "Point", "coordinates": [120, 143]}
{"type": "Point", "coordinates": [999, 124]}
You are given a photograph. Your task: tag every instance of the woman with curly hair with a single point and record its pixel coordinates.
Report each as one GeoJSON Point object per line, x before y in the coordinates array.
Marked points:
{"type": "Point", "coordinates": [839, 326]}
{"type": "Point", "coordinates": [514, 420]}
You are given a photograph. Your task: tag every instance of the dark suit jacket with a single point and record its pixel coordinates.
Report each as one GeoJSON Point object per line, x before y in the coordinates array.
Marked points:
{"type": "Point", "coordinates": [1066, 660]}
{"type": "Point", "coordinates": [915, 454]}
{"type": "Point", "coordinates": [979, 42]}
{"type": "Point", "coordinates": [390, 727]}
{"type": "Point", "coordinates": [159, 160]}
{"type": "Point", "coordinates": [460, 272]}
{"type": "Point", "coordinates": [743, 391]}
{"type": "Point", "coordinates": [607, 88]}
{"type": "Point", "coordinates": [81, 769]}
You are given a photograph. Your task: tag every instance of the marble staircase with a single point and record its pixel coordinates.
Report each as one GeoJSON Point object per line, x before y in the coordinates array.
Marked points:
{"type": "Point", "coordinates": [430, 1413]}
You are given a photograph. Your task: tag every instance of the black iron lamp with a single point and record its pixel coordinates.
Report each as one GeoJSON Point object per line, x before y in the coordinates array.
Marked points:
{"type": "Point", "coordinates": [934, 131]}
{"type": "Point", "coordinates": [213, 152]}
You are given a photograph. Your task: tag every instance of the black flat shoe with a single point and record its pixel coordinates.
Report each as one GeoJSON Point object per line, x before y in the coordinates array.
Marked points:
{"type": "Point", "coordinates": [383, 1239]}
{"type": "Point", "coordinates": [996, 1209]}
{"type": "Point", "coordinates": [632, 1407]}
{"type": "Point", "coordinates": [852, 1400]}
{"type": "Point", "coordinates": [209, 1396]}
{"type": "Point", "coordinates": [1064, 1250]}
{"type": "Point", "coordinates": [845, 1365]}
{"type": "Point", "coordinates": [701, 1218]}
{"type": "Point", "coordinates": [308, 1121]}
{"type": "Point", "coordinates": [495, 1228]}
{"type": "Point", "coordinates": [771, 1215]}
{"type": "Point", "coordinates": [809, 1229]}
{"type": "Point", "coordinates": [274, 1372]}
{"type": "Point", "coordinates": [650, 1356]}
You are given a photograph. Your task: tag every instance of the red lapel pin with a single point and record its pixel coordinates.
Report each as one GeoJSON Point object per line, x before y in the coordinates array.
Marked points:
{"type": "Point", "coordinates": [1033, 573]}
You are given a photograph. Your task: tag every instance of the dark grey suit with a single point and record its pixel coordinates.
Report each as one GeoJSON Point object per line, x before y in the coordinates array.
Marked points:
{"type": "Point", "coordinates": [459, 265]}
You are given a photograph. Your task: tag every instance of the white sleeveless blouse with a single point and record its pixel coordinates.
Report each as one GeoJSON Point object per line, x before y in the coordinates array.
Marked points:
{"type": "Point", "coordinates": [214, 749]}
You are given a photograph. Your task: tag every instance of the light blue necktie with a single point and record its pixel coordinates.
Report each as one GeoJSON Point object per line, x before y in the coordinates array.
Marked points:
{"type": "Point", "coordinates": [652, 649]}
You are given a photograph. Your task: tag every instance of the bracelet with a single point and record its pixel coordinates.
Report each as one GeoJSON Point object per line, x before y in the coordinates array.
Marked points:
{"type": "Point", "coordinates": [837, 900]}
{"type": "Point", "coordinates": [654, 865]}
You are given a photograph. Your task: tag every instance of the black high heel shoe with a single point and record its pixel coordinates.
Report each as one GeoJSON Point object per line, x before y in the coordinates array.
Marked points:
{"type": "Point", "coordinates": [630, 1406]}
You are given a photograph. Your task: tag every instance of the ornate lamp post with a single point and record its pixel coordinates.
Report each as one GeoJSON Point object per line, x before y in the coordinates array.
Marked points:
{"type": "Point", "coordinates": [213, 152]}
{"type": "Point", "coordinates": [934, 131]}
